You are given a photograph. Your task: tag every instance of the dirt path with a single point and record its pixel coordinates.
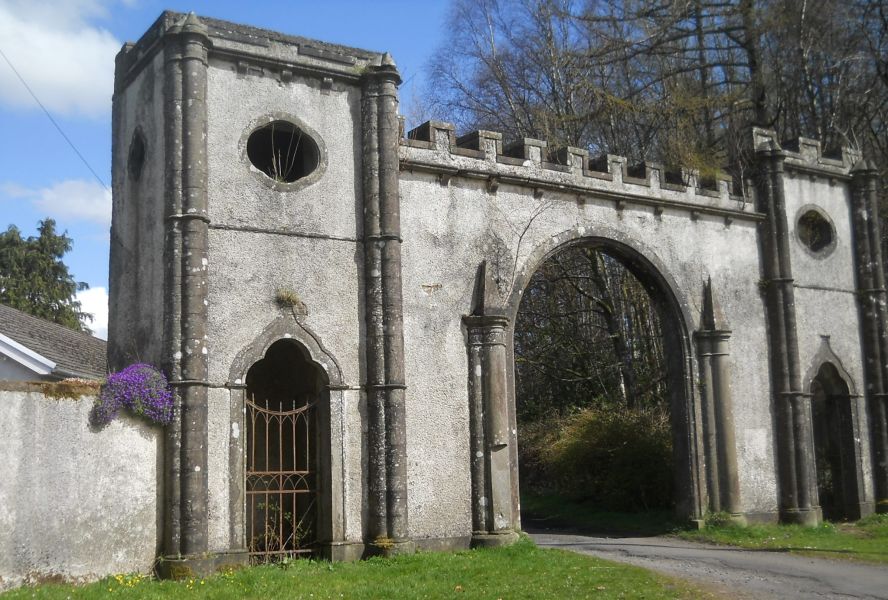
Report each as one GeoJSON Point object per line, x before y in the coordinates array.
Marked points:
{"type": "Point", "coordinates": [735, 572]}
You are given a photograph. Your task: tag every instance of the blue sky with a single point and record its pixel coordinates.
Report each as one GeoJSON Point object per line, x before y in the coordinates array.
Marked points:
{"type": "Point", "coordinates": [65, 50]}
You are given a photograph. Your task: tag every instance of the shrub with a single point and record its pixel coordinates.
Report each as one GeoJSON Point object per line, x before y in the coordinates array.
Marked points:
{"type": "Point", "coordinates": [617, 459]}
{"type": "Point", "coordinates": [141, 389]}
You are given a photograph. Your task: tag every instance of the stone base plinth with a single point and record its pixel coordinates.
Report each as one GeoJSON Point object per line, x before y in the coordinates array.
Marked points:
{"type": "Point", "coordinates": [187, 567]}
{"type": "Point", "coordinates": [809, 517]}
{"type": "Point", "coordinates": [493, 540]}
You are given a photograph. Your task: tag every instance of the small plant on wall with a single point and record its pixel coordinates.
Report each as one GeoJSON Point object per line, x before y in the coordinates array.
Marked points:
{"type": "Point", "coordinates": [140, 389]}
{"type": "Point", "coordinates": [288, 298]}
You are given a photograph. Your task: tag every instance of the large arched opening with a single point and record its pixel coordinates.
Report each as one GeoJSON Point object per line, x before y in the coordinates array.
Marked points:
{"type": "Point", "coordinates": [284, 409]}
{"type": "Point", "coordinates": [602, 385]}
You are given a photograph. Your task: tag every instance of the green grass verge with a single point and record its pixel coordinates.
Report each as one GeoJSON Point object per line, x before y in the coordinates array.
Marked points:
{"type": "Point", "coordinates": [552, 510]}
{"type": "Point", "coordinates": [866, 539]}
{"type": "Point", "coordinates": [519, 571]}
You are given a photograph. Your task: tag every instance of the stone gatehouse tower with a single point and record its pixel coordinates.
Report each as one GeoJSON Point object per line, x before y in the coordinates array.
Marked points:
{"type": "Point", "coordinates": [333, 301]}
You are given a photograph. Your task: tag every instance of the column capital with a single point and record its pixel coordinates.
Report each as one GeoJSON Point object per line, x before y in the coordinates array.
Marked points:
{"type": "Point", "coordinates": [486, 321]}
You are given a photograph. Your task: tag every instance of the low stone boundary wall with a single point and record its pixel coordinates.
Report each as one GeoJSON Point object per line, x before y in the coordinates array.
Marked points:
{"type": "Point", "coordinates": [76, 503]}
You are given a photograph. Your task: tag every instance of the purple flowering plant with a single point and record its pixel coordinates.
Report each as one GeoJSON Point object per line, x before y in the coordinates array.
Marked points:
{"type": "Point", "coordinates": [140, 388]}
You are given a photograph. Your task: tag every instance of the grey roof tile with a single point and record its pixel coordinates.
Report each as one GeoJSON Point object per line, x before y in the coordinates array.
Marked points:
{"type": "Point", "coordinates": [76, 353]}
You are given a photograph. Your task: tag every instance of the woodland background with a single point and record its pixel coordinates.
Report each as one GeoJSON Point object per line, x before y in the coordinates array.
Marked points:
{"type": "Point", "coordinates": [679, 82]}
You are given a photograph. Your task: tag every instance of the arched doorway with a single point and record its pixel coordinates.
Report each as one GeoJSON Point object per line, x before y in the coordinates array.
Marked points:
{"type": "Point", "coordinates": [285, 395]}
{"type": "Point", "coordinates": [660, 397]}
{"type": "Point", "coordinates": [834, 448]}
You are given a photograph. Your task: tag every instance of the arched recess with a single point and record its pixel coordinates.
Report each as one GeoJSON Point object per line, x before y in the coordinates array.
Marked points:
{"type": "Point", "coordinates": [675, 317]}
{"type": "Point", "coordinates": [837, 418]}
{"type": "Point", "coordinates": [330, 512]}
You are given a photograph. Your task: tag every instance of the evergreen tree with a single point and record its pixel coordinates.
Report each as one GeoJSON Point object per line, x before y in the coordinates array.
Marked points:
{"type": "Point", "coordinates": [34, 279]}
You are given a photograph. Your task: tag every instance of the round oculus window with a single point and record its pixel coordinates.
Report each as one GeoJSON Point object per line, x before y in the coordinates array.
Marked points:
{"type": "Point", "coordinates": [815, 231]}
{"type": "Point", "coordinates": [283, 152]}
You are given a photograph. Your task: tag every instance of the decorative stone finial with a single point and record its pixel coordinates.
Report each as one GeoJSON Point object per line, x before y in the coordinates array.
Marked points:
{"type": "Point", "coordinates": [485, 299]}
{"type": "Point", "coordinates": [192, 24]}
{"type": "Point", "coordinates": [712, 319]}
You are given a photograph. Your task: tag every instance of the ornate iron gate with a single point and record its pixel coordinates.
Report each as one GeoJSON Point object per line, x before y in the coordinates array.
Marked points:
{"type": "Point", "coordinates": [281, 473]}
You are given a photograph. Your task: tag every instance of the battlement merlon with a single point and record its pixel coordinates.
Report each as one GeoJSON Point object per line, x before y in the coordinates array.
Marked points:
{"type": "Point", "coordinates": [806, 155]}
{"type": "Point", "coordinates": [252, 50]}
{"type": "Point", "coordinates": [433, 147]}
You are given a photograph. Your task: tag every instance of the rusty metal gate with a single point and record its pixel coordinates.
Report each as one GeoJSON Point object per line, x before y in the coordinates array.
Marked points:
{"type": "Point", "coordinates": [281, 478]}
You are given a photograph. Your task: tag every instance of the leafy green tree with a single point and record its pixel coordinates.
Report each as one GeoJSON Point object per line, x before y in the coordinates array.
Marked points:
{"type": "Point", "coordinates": [34, 279]}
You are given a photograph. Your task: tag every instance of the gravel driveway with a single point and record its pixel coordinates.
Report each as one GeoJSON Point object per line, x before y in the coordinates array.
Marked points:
{"type": "Point", "coordinates": [734, 572]}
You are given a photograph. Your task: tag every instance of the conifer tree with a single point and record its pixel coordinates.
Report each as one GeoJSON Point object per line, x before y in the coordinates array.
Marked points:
{"type": "Point", "coordinates": [34, 279]}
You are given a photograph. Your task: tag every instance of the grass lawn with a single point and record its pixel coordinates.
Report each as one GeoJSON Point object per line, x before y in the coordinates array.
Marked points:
{"type": "Point", "coordinates": [519, 571]}
{"type": "Point", "coordinates": [866, 539]}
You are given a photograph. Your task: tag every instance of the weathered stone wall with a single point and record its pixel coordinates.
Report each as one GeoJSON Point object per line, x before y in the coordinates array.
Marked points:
{"type": "Point", "coordinates": [136, 303]}
{"type": "Point", "coordinates": [298, 238]}
{"type": "Point", "coordinates": [462, 203]}
{"type": "Point", "coordinates": [826, 295]}
{"type": "Point", "coordinates": [75, 503]}
{"type": "Point", "coordinates": [452, 221]}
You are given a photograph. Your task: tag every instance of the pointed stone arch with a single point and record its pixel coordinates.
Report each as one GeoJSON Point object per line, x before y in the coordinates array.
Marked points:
{"type": "Point", "coordinates": [331, 516]}
{"type": "Point", "coordinates": [284, 327]}
{"type": "Point", "coordinates": [838, 423]}
{"type": "Point", "coordinates": [825, 354]}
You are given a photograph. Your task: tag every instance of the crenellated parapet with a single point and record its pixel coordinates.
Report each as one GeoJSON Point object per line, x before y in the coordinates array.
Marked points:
{"type": "Point", "coordinates": [805, 155]}
{"type": "Point", "coordinates": [529, 163]}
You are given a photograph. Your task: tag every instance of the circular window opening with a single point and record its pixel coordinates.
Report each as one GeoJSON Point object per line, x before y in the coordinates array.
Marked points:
{"type": "Point", "coordinates": [136, 159]}
{"type": "Point", "coordinates": [815, 231]}
{"type": "Point", "coordinates": [283, 151]}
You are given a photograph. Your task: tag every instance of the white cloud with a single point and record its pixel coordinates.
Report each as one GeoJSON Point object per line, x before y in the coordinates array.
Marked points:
{"type": "Point", "coordinates": [95, 302]}
{"type": "Point", "coordinates": [75, 199]}
{"type": "Point", "coordinates": [67, 61]}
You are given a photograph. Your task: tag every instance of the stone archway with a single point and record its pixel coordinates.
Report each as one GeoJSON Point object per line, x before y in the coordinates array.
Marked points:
{"type": "Point", "coordinates": [492, 388]}
{"type": "Point", "coordinates": [688, 477]}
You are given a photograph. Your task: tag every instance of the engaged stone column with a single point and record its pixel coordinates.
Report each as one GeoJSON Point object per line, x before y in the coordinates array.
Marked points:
{"type": "Point", "coordinates": [795, 447]}
{"type": "Point", "coordinates": [721, 449]}
{"type": "Point", "coordinates": [185, 539]}
{"type": "Point", "coordinates": [491, 467]}
{"type": "Point", "coordinates": [193, 383]}
{"type": "Point", "coordinates": [186, 551]}
{"type": "Point", "coordinates": [871, 297]}
{"type": "Point", "coordinates": [384, 348]}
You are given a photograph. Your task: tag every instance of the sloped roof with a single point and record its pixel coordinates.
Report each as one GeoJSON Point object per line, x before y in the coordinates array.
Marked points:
{"type": "Point", "coordinates": [76, 354]}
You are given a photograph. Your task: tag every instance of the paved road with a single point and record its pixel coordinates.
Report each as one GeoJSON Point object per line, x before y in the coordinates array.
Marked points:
{"type": "Point", "coordinates": [736, 573]}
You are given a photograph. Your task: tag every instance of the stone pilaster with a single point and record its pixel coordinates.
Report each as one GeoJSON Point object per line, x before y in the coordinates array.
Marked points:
{"type": "Point", "coordinates": [192, 386]}
{"type": "Point", "coordinates": [795, 449]}
{"type": "Point", "coordinates": [172, 260]}
{"type": "Point", "coordinates": [384, 350]}
{"type": "Point", "coordinates": [872, 313]}
{"type": "Point", "coordinates": [185, 352]}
